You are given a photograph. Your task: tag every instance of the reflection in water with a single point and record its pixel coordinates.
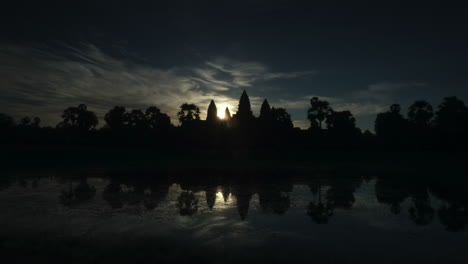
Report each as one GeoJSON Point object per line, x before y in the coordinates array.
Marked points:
{"type": "Point", "coordinates": [453, 217]}
{"type": "Point", "coordinates": [421, 212]}
{"type": "Point", "coordinates": [5, 182]}
{"type": "Point", "coordinates": [187, 203]}
{"type": "Point", "coordinates": [258, 210]}
{"type": "Point", "coordinates": [453, 214]}
{"type": "Point", "coordinates": [243, 197]}
{"type": "Point", "coordinates": [114, 195]}
{"type": "Point", "coordinates": [275, 194]}
{"type": "Point", "coordinates": [318, 210]}
{"type": "Point", "coordinates": [391, 192]}
{"type": "Point", "coordinates": [274, 197]}
{"type": "Point", "coordinates": [124, 190]}
{"type": "Point", "coordinates": [73, 196]}
{"type": "Point", "coordinates": [220, 211]}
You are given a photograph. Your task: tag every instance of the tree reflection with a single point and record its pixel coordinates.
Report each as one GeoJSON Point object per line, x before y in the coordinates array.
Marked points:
{"type": "Point", "coordinates": [453, 217]}
{"type": "Point", "coordinates": [319, 211]}
{"type": "Point", "coordinates": [453, 214]}
{"type": "Point", "coordinates": [157, 193]}
{"type": "Point", "coordinates": [275, 197]}
{"type": "Point", "coordinates": [331, 193]}
{"type": "Point", "coordinates": [81, 193]}
{"type": "Point", "coordinates": [113, 195]}
{"type": "Point", "coordinates": [341, 191]}
{"type": "Point", "coordinates": [187, 203]}
{"type": "Point", "coordinates": [146, 192]}
{"type": "Point", "coordinates": [392, 192]}
{"type": "Point", "coordinates": [5, 182]}
{"type": "Point", "coordinates": [421, 212]}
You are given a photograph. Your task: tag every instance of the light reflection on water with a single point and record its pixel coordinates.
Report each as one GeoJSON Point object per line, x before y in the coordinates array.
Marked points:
{"type": "Point", "coordinates": [332, 218]}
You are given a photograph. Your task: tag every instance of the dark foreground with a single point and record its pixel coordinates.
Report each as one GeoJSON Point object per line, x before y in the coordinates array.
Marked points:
{"type": "Point", "coordinates": [219, 212]}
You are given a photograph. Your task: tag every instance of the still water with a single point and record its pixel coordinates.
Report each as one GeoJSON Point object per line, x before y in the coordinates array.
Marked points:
{"type": "Point", "coordinates": [101, 215]}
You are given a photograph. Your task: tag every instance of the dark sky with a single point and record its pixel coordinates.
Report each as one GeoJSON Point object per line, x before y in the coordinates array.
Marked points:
{"type": "Point", "coordinates": [360, 56]}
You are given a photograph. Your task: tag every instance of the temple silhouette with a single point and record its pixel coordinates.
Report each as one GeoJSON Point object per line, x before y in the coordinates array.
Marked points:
{"type": "Point", "coordinates": [422, 129]}
{"type": "Point", "coordinates": [243, 117]}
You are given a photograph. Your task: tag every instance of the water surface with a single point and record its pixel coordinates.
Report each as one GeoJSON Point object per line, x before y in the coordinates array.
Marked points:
{"type": "Point", "coordinates": [105, 215]}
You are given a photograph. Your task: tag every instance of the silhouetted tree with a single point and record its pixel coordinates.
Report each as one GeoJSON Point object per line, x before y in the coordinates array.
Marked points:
{"type": "Point", "coordinates": [78, 117]}
{"type": "Point", "coordinates": [367, 133]}
{"type": "Point", "coordinates": [391, 126]}
{"type": "Point", "coordinates": [265, 112]}
{"type": "Point", "coordinates": [212, 114]}
{"type": "Point", "coordinates": [318, 112]}
{"type": "Point", "coordinates": [25, 121]}
{"type": "Point", "coordinates": [155, 119]}
{"type": "Point", "coordinates": [420, 114]}
{"type": "Point", "coordinates": [6, 121]}
{"type": "Point", "coordinates": [281, 118]}
{"type": "Point", "coordinates": [341, 121]}
{"type": "Point", "coordinates": [116, 118]}
{"type": "Point", "coordinates": [452, 117]}
{"type": "Point", "coordinates": [368, 138]}
{"type": "Point", "coordinates": [137, 119]}
{"type": "Point", "coordinates": [36, 122]}
{"type": "Point", "coordinates": [188, 113]}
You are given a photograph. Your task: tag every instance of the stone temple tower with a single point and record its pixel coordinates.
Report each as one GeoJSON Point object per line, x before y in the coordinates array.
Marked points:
{"type": "Point", "coordinates": [227, 114]}
{"type": "Point", "coordinates": [212, 115]}
{"type": "Point", "coordinates": [244, 111]}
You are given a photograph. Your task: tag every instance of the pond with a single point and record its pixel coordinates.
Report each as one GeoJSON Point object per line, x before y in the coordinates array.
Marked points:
{"type": "Point", "coordinates": [97, 215]}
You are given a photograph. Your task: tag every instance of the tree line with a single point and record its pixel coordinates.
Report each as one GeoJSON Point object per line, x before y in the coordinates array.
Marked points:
{"type": "Point", "coordinates": [423, 127]}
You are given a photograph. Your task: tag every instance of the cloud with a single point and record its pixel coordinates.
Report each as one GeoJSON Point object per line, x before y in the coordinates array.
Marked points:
{"type": "Point", "coordinates": [361, 109]}
{"type": "Point", "coordinates": [223, 74]}
{"type": "Point", "coordinates": [337, 103]}
{"type": "Point", "coordinates": [386, 91]}
{"type": "Point", "coordinates": [392, 87]}
{"type": "Point", "coordinates": [44, 81]}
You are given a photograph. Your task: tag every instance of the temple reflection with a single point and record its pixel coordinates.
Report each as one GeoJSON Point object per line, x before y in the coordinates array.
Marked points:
{"type": "Point", "coordinates": [422, 200]}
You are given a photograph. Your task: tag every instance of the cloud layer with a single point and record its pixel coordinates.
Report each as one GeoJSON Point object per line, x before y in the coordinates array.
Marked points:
{"type": "Point", "coordinates": [41, 81]}
{"type": "Point", "coordinates": [38, 81]}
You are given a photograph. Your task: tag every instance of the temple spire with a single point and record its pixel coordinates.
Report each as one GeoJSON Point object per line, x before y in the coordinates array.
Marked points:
{"type": "Point", "coordinates": [227, 114]}
{"type": "Point", "coordinates": [265, 111]}
{"type": "Point", "coordinates": [244, 111]}
{"type": "Point", "coordinates": [212, 114]}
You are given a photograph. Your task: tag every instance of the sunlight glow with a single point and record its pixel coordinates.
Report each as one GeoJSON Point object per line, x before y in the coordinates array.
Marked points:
{"type": "Point", "coordinates": [221, 109]}
{"type": "Point", "coordinates": [223, 202]}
